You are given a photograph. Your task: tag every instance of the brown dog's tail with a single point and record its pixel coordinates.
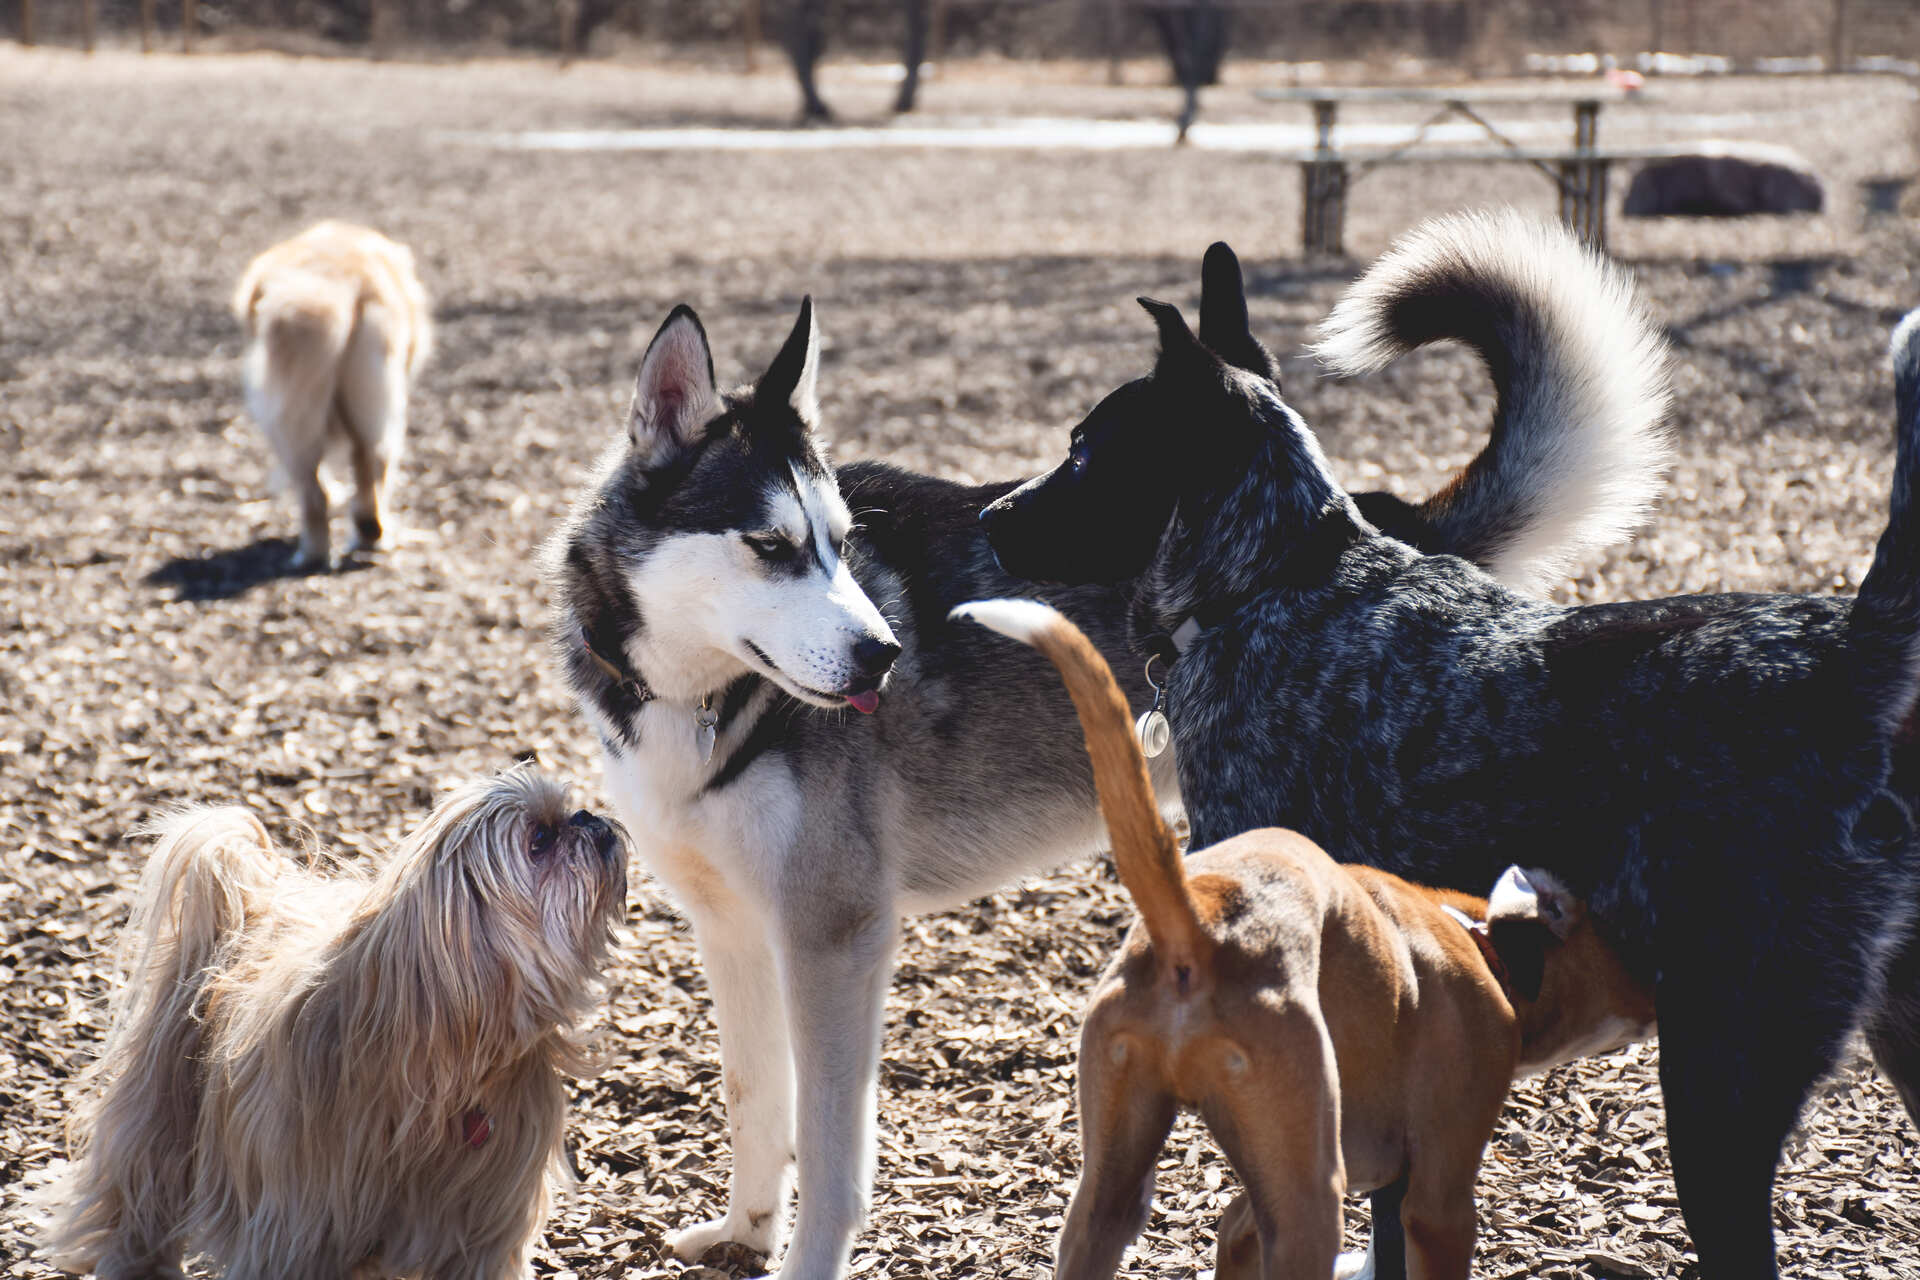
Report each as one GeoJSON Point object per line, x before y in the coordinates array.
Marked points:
{"type": "Point", "coordinates": [1144, 849]}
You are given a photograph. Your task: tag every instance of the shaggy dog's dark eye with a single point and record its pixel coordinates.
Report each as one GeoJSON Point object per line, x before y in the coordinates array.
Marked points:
{"type": "Point", "coordinates": [542, 842]}
{"type": "Point", "coordinates": [771, 548]}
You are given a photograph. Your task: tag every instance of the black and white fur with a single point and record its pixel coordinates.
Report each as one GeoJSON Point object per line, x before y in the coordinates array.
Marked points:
{"type": "Point", "coordinates": [1710, 774]}
{"type": "Point", "coordinates": [797, 848]}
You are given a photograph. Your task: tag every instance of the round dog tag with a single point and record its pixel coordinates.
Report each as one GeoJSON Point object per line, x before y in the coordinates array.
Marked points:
{"type": "Point", "coordinates": [1154, 732]}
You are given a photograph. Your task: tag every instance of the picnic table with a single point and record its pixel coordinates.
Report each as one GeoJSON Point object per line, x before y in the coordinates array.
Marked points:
{"type": "Point", "coordinates": [1579, 171]}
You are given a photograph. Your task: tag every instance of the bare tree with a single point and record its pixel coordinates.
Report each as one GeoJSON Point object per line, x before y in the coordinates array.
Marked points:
{"type": "Point", "coordinates": [913, 53]}
{"type": "Point", "coordinates": [805, 36]}
{"type": "Point", "coordinates": [1194, 34]}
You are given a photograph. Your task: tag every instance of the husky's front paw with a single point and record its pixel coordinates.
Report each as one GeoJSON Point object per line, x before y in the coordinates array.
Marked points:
{"type": "Point", "coordinates": [753, 1230]}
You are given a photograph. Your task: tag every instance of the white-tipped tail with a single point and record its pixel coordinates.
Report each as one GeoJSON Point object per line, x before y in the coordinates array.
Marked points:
{"type": "Point", "coordinates": [1579, 448]}
{"type": "Point", "coordinates": [1020, 620]}
{"type": "Point", "coordinates": [1144, 850]}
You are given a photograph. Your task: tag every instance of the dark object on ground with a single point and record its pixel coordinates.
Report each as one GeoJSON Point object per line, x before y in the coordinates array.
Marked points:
{"type": "Point", "coordinates": [1725, 181]}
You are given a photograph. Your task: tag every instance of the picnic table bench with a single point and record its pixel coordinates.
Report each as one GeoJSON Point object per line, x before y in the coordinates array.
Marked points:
{"type": "Point", "coordinates": [1580, 171]}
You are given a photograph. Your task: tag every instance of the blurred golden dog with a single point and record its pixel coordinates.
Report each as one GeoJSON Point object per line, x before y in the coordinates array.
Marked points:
{"type": "Point", "coordinates": [337, 327]}
{"type": "Point", "coordinates": [358, 1074]}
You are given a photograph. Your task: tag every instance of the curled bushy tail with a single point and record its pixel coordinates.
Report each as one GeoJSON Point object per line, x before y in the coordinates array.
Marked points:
{"type": "Point", "coordinates": [131, 1135]}
{"type": "Point", "coordinates": [1578, 449]}
{"type": "Point", "coordinates": [1885, 623]}
{"type": "Point", "coordinates": [1144, 849]}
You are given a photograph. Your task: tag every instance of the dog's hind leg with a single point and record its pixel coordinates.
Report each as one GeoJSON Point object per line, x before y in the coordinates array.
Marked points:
{"type": "Point", "coordinates": [1274, 1107]}
{"type": "Point", "coordinates": [756, 1070]}
{"type": "Point", "coordinates": [838, 959]}
{"type": "Point", "coordinates": [1741, 1044]}
{"type": "Point", "coordinates": [1125, 1115]}
{"type": "Point", "coordinates": [372, 405]}
{"type": "Point", "coordinates": [1893, 1029]}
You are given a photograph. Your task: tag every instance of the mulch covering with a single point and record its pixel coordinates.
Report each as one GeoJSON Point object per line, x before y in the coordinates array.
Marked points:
{"type": "Point", "coordinates": [152, 650]}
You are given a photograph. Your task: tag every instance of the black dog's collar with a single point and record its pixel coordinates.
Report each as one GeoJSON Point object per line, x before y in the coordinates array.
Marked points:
{"type": "Point", "coordinates": [1169, 645]}
{"type": "Point", "coordinates": [618, 672]}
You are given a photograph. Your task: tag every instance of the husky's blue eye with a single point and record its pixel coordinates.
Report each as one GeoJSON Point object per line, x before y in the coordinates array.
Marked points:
{"type": "Point", "coordinates": [542, 842]}
{"type": "Point", "coordinates": [774, 550]}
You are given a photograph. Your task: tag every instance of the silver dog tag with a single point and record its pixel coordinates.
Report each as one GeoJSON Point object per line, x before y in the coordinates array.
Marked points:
{"type": "Point", "coordinates": [1152, 728]}
{"type": "Point", "coordinates": [1153, 731]}
{"type": "Point", "coordinates": [705, 725]}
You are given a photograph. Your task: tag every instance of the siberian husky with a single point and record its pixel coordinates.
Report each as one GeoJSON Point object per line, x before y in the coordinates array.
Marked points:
{"type": "Point", "coordinates": [725, 597]}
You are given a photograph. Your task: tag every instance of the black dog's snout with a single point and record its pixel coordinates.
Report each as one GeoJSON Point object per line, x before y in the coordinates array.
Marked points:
{"type": "Point", "coordinates": [873, 657]}
{"type": "Point", "coordinates": [598, 827]}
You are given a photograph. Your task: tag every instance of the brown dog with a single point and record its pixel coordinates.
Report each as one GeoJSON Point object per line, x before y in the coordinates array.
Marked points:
{"type": "Point", "coordinates": [1337, 1028]}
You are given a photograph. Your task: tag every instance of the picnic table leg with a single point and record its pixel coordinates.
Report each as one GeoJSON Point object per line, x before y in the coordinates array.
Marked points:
{"type": "Point", "coordinates": [1323, 208]}
{"type": "Point", "coordinates": [1323, 188]}
{"type": "Point", "coordinates": [1597, 203]}
{"type": "Point", "coordinates": [1583, 184]}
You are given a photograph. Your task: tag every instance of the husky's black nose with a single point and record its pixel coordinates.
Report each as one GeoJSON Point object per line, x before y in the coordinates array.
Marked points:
{"type": "Point", "coordinates": [596, 826]}
{"type": "Point", "coordinates": [872, 657]}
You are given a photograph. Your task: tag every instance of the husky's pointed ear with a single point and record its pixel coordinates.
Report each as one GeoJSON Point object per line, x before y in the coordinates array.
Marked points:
{"type": "Point", "coordinates": [794, 375]}
{"type": "Point", "coordinates": [674, 395]}
{"type": "Point", "coordinates": [1224, 327]}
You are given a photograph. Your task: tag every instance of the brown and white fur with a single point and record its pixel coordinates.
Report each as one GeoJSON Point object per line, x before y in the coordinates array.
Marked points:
{"type": "Point", "coordinates": [1338, 1028]}
{"type": "Point", "coordinates": [337, 327]}
{"type": "Point", "coordinates": [318, 1074]}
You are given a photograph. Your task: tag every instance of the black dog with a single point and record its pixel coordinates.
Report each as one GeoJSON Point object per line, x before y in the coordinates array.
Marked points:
{"type": "Point", "coordinates": [1710, 773]}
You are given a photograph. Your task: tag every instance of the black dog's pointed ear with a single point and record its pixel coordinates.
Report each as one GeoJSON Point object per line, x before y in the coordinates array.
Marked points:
{"type": "Point", "coordinates": [674, 395]}
{"type": "Point", "coordinates": [1224, 327]}
{"type": "Point", "coordinates": [1176, 340]}
{"type": "Point", "coordinates": [793, 377]}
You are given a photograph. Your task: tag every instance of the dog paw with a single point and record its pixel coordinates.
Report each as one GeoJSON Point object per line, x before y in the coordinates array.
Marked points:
{"type": "Point", "coordinates": [366, 535]}
{"type": "Point", "coordinates": [1353, 1266]}
{"type": "Point", "coordinates": [691, 1244]}
{"type": "Point", "coordinates": [307, 560]}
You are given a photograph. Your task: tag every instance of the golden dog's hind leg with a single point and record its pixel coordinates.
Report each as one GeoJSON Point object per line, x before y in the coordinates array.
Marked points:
{"type": "Point", "coordinates": [1125, 1115]}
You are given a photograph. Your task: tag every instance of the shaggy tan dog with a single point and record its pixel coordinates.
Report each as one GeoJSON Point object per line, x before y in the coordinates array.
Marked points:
{"type": "Point", "coordinates": [321, 1075]}
{"type": "Point", "coordinates": [337, 327]}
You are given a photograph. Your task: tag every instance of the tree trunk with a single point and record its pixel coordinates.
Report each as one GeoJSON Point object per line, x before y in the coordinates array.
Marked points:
{"type": "Point", "coordinates": [913, 54]}
{"type": "Point", "coordinates": [1195, 38]}
{"type": "Point", "coordinates": [806, 40]}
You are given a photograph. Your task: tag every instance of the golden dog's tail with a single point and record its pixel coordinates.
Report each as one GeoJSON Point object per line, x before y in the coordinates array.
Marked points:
{"type": "Point", "coordinates": [131, 1133]}
{"type": "Point", "coordinates": [1144, 850]}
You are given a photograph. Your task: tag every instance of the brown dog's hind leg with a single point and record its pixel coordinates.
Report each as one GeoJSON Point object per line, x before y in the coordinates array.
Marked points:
{"type": "Point", "coordinates": [1125, 1115]}
{"type": "Point", "coordinates": [1275, 1110]}
{"type": "Point", "coordinates": [1439, 1220]}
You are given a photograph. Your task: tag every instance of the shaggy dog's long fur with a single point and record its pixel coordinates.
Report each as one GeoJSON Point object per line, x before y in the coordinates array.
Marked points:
{"type": "Point", "coordinates": [314, 1075]}
{"type": "Point", "coordinates": [1711, 774]}
{"type": "Point", "coordinates": [337, 327]}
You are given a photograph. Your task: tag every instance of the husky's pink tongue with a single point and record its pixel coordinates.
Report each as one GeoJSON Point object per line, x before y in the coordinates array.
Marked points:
{"type": "Point", "coordinates": [866, 702]}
